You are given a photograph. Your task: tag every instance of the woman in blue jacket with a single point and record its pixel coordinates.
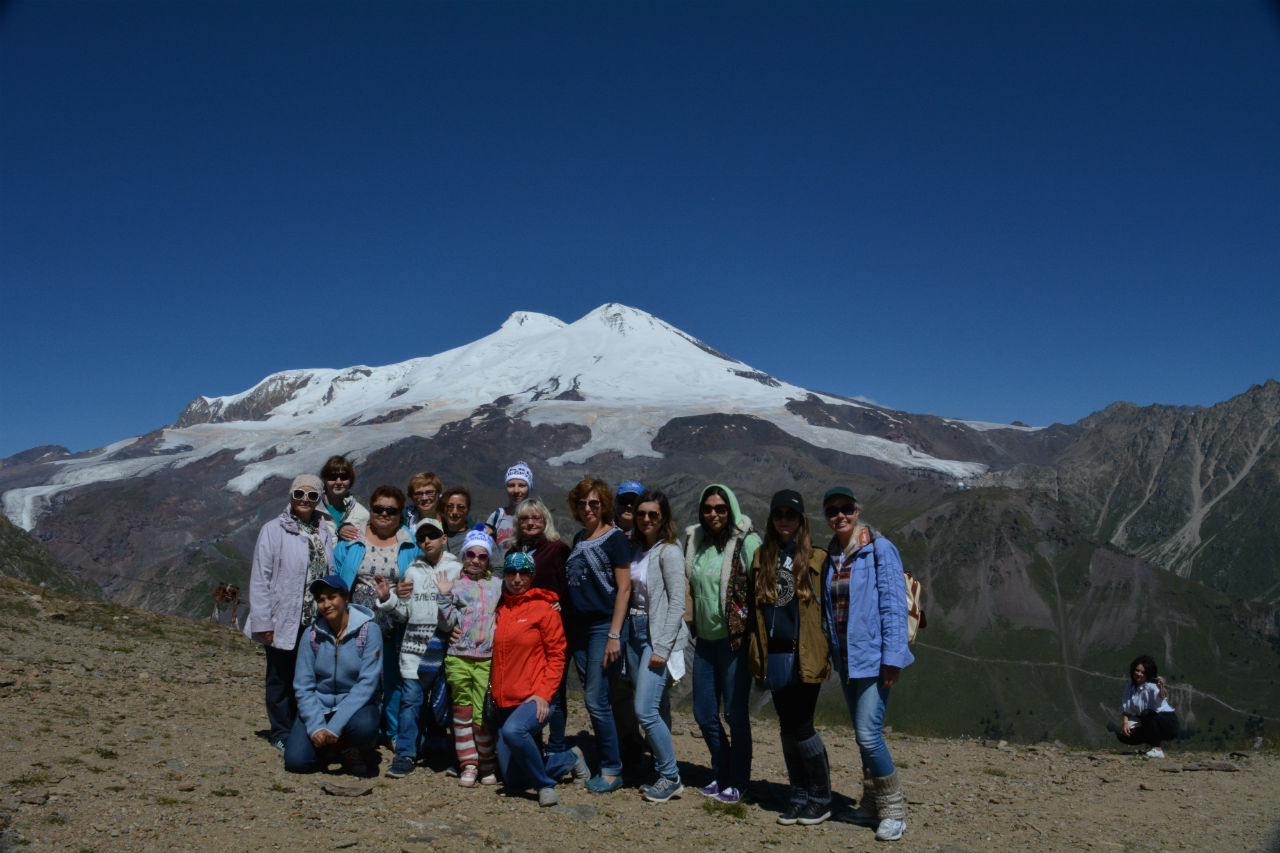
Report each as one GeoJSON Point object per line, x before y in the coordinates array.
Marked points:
{"type": "Point", "coordinates": [373, 567]}
{"type": "Point", "coordinates": [865, 619]}
{"type": "Point", "coordinates": [336, 681]}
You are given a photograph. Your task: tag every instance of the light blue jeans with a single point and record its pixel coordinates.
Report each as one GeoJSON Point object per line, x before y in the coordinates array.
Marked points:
{"type": "Point", "coordinates": [867, 700]}
{"type": "Point", "coordinates": [588, 642]}
{"type": "Point", "coordinates": [651, 691]}
{"type": "Point", "coordinates": [520, 750]}
{"type": "Point", "coordinates": [719, 673]}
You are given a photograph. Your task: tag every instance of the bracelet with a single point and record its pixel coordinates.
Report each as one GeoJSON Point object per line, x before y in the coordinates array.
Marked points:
{"type": "Point", "coordinates": [615, 636]}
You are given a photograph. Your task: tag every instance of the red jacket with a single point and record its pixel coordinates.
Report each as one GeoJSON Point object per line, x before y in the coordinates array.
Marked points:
{"type": "Point", "coordinates": [528, 648]}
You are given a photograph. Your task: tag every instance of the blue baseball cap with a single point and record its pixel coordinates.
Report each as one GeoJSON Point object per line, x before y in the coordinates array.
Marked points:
{"type": "Point", "coordinates": [331, 581]}
{"type": "Point", "coordinates": [631, 487]}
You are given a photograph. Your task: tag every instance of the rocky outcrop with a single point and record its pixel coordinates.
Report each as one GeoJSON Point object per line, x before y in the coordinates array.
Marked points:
{"type": "Point", "coordinates": [254, 406]}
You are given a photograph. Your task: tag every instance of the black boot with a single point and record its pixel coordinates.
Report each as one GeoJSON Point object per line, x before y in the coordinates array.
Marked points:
{"type": "Point", "coordinates": [818, 776]}
{"type": "Point", "coordinates": [799, 793]}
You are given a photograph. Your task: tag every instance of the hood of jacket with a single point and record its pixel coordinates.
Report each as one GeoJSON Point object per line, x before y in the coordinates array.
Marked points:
{"type": "Point", "coordinates": [741, 522]}
{"type": "Point", "coordinates": [359, 614]}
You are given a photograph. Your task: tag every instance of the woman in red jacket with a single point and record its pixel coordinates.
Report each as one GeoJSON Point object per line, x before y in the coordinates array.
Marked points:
{"type": "Point", "coordinates": [528, 664]}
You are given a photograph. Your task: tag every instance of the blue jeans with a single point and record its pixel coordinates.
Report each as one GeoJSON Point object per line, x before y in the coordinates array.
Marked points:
{"type": "Point", "coordinates": [408, 735]}
{"type": "Point", "coordinates": [867, 700]}
{"type": "Point", "coordinates": [588, 657]}
{"type": "Point", "coordinates": [720, 674]}
{"type": "Point", "coordinates": [558, 717]}
{"type": "Point", "coordinates": [651, 693]}
{"type": "Point", "coordinates": [520, 750]}
{"type": "Point", "coordinates": [391, 681]}
{"type": "Point", "coordinates": [300, 754]}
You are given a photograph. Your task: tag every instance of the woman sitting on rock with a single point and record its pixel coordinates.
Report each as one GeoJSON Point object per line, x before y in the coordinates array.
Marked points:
{"type": "Point", "coordinates": [337, 677]}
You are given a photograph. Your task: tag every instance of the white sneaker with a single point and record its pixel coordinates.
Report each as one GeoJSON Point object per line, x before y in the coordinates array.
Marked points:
{"type": "Point", "coordinates": [1155, 752]}
{"type": "Point", "coordinates": [890, 829]}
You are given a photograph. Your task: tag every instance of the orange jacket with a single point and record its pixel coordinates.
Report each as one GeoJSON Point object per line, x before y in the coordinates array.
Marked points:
{"type": "Point", "coordinates": [528, 648]}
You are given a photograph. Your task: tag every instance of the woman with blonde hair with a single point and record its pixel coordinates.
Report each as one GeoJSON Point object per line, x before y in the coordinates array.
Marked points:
{"type": "Point", "coordinates": [598, 583]}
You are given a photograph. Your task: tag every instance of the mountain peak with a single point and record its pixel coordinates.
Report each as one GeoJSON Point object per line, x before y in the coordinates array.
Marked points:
{"type": "Point", "coordinates": [532, 320]}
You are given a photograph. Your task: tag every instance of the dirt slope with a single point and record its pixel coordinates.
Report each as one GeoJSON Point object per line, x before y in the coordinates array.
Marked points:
{"type": "Point", "coordinates": [132, 731]}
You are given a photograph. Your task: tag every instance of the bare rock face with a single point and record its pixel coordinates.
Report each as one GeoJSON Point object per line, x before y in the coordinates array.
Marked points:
{"type": "Point", "coordinates": [267, 395]}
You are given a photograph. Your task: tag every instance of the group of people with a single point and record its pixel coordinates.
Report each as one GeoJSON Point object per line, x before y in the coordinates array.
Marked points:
{"type": "Point", "coordinates": [389, 623]}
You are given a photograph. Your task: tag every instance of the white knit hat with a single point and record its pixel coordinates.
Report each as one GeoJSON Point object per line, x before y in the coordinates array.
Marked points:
{"type": "Point", "coordinates": [520, 471]}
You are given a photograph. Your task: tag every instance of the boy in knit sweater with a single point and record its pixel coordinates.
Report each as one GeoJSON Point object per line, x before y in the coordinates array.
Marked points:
{"type": "Point", "coordinates": [422, 649]}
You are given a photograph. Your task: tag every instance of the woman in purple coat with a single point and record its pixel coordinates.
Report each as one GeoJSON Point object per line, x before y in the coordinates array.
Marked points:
{"type": "Point", "coordinates": [294, 549]}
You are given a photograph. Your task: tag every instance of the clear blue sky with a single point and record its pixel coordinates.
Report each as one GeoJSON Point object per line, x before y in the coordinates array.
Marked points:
{"type": "Point", "coordinates": [990, 210]}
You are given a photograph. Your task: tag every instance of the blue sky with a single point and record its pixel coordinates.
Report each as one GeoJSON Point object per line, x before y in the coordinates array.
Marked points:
{"type": "Point", "coordinates": [990, 210]}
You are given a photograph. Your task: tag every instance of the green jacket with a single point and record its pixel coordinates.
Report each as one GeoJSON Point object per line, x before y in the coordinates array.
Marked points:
{"type": "Point", "coordinates": [813, 654]}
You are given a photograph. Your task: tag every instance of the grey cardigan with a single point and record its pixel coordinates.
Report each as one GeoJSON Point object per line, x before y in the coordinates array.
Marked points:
{"type": "Point", "coordinates": [666, 588]}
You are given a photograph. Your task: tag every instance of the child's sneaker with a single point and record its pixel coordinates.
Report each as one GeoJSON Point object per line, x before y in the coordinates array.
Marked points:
{"type": "Point", "coordinates": [401, 767]}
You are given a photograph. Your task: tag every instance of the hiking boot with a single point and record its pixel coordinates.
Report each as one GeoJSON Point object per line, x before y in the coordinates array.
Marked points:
{"type": "Point", "coordinates": [663, 790]}
{"type": "Point", "coordinates": [548, 797]}
{"type": "Point", "coordinates": [401, 767]}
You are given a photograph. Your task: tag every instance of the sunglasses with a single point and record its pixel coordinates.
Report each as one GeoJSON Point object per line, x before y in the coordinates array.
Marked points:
{"type": "Point", "coordinates": [628, 500]}
{"type": "Point", "coordinates": [430, 534]}
{"type": "Point", "coordinates": [715, 509]}
{"type": "Point", "coordinates": [831, 510]}
{"type": "Point", "coordinates": [583, 503]}
{"type": "Point", "coordinates": [478, 556]}
{"type": "Point", "coordinates": [649, 515]}
{"type": "Point", "coordinates": [784, 514]}
{"type": "Point", "coordinates": [301, 495]}
{"type": "Point", "coordinates": [383, 509]}
{"type": "Point", "coordinates": [523, 570]}
{"type": "Point", "coordinates": [333, 478]}
{"type": "Point", "coordinates": [428, 494]}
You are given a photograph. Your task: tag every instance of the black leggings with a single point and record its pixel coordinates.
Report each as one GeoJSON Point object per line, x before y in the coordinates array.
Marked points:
{"type": "Point", "coordinates": [795, 704]}
{"type": "Point", "coordinates": [1152, 729]}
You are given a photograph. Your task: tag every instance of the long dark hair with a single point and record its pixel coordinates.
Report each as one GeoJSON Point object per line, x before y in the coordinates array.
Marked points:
{"type": "Point", "coordinates": [668, 532]}
{"type": "Point", "coordinates": [1148, 668]}
{"type": "Point", "coordinates": [719, 540]}
{"type": "Point", "coordinates": [770, 553]}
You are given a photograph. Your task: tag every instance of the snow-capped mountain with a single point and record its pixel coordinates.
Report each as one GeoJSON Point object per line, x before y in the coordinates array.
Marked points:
{"type": "Point", "coordinates": [535, 367]}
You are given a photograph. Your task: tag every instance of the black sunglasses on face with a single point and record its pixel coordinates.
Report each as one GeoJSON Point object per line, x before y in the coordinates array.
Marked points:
{"type": "Point", "coordinates": [718, 509]}
{"type": "Point", "coordinates": [831, 510]}
{"type": "Point", "coordinates": [333, 478]}
{"type": "Point", "coordinates": [628, 500]}
{"type": "Point", "coordinates": [431, 534]}
{"type": "Point", "coordinates": [648, 515]}
{"type": "Point", "coordinates": [521, 571]}
{"type": "Point", "coordinates": [784, 514]}
{"type": "Point", "coordinates": [299, 494]}
{"type": "Point", "coordinates": [383, 509]}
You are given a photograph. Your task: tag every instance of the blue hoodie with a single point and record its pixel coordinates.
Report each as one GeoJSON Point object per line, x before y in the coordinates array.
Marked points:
{"type": "Point", "coordinates": [336, 678]}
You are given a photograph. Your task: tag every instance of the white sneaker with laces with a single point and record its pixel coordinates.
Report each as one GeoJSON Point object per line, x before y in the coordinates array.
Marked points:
{"type": "Point", "coordinates": [1155, 752]}
{"type": "Point", "coordinates": [890, 829]}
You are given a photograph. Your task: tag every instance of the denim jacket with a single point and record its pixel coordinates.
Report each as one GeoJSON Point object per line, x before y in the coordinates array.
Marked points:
{"type": "Point", "coordinates": [877, 629]}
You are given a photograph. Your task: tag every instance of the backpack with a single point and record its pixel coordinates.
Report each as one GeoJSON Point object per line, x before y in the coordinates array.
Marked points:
{"type": "Point", "coordinates": [915, 593]}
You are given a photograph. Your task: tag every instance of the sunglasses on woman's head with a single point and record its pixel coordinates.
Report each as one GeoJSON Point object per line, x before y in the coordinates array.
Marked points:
{"type": "Point", "coordinates": [383, 509]}
{"type": "Point", "coordinates": [299, 495]}
{"type": "Point", "coordinates": [478, 556]}
{"type": "Point", "coordinates": [717, 509]}
{"type": "Point", "coordinates": [648, 515]}
{"type": "Point", "coordinates": [831, 510]}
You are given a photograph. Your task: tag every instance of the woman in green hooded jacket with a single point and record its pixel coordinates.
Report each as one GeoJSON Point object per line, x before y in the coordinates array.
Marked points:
{"type": "Point", "coordinates": [718, 554]}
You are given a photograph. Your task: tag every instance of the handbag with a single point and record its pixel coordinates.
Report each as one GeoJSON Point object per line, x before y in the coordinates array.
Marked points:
{"type": "Point", "coordinates": [780, 669]}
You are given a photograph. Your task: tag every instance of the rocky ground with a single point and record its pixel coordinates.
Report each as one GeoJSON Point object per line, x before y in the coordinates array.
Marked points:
{"type": "Point", "coordinates": [132, 731]}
